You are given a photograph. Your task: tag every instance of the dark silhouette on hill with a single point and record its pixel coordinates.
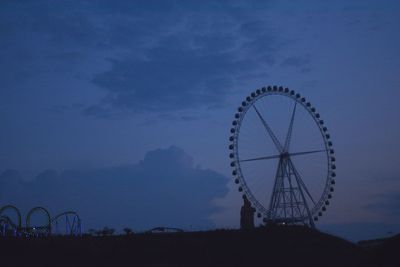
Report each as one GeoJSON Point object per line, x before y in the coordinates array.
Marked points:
{"type": "Point", "coordinates": [267, 246]}
{"type": "Point", "coordinates": [246, 214]}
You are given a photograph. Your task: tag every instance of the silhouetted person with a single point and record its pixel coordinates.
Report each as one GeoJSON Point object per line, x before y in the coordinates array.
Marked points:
{"type": "Point", "coordinates": [246, 214]}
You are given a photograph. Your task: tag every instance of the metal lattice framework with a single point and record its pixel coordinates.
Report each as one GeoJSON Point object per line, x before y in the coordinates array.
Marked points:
{"type": "Point", "coordinates": [290, 200]}
{"type": "Point", "coordinates": [67, 223]}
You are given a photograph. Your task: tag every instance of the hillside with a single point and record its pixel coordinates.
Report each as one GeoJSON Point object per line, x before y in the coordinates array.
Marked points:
{"type": "Point", "coordinates": [273, 246]}
{"type": "Point", "coordinates": [383, 252]}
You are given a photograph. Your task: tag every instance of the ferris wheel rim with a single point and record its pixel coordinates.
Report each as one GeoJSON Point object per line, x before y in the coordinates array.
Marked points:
{"type": "Point", "coordinates": [327, 192]}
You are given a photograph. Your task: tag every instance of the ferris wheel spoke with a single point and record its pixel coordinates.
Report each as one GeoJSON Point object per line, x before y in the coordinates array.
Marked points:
{"type": "Point", "coordinates": [261, 158]}
{"type": "Point", "coordinates": [289, 132]}
{"type": "Point", "coordinates": [278, 156]}
{"type": "Point", "coordinates": [306, 152]}
{"type": "Point", "coordinates": [270, 132]}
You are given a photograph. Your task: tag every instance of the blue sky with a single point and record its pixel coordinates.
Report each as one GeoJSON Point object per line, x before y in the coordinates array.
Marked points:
{"type": "Point", "coordinates": [91, 86]}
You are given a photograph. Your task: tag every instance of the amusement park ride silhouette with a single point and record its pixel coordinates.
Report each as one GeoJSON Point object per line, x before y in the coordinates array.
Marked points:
{"type": "Point", "coordinates": [66, 223]}
{"type": "Point", "coordinates": [257, 169]}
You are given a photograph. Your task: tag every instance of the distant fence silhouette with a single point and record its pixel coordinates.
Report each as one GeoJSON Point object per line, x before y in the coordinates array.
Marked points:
{"type": "Point", "coordinates": [164, 230]}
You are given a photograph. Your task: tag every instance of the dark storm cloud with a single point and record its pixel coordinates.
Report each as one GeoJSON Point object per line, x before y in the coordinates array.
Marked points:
{"type": "Point", "coordinates": [164, 56]}
{"type": "Point", "coordinates": [42, 36]}
{"type": "Point", "coordinates": [163, 189]}
{"type": "Point", "coordinates": [195, 65]}
{"type": "Point", "coordinates": [171, 79]}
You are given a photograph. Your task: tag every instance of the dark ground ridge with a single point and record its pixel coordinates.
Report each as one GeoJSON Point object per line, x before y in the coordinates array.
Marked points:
{"type": "Point", "coordinates": [268, 246]}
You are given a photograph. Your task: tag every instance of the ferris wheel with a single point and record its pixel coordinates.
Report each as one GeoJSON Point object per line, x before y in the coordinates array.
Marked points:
{"type": "Point", "coordinates": [282, 156]}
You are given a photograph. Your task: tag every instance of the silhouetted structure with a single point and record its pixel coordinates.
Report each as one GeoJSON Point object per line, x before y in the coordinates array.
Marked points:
{"type": "Point", "coordinates": [67, 223]}
{"type": "Point", "coordinates": [290, 201]}
{"type": "Point", "coordinates": [106, 231]}
{"type": "Point", "coordinates": [41, 230]}
{"type": "Point", "coordinates": [246, 214]}
{"type": "Point", "coordinates": [11, 224]}
{"type": "Point", "coordinates": [128, 231]}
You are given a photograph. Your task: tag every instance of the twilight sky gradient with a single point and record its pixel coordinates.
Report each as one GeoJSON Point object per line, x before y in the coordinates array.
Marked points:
{"type": "Point", "coordinates": [98, 97]}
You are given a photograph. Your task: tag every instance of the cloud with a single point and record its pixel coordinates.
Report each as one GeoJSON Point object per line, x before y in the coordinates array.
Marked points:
{"type": "Point", "coordinates": [194, 62]}
{"type": "Point", "coordinates": [177, 55]}
{"type": "Point", "coordinates": [164, 189]}
{"type": "Point", "coordinates": [172, 80]}
{"type": "Point", "coordinates": [172, 77]}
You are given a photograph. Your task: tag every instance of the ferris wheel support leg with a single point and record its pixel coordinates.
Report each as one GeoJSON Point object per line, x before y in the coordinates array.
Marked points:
{"type": "Point", "coordinates": [275, 194]}
{"type": "Point", "coordinates": [292, 195]}
{"type": "Point", "coordinates": [80, 227]}
{"type": "Point", "coordinates": [281, 190]}
{"type": "Point", "coordinates": [298, 180]}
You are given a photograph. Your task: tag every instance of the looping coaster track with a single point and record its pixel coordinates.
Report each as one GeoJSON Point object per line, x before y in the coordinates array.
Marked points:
{"type": "Point", "coordinates": [67, 223]}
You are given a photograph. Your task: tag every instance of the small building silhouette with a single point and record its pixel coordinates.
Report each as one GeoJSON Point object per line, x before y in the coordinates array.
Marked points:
{"type": "Point", "coordinates": [246, 214]}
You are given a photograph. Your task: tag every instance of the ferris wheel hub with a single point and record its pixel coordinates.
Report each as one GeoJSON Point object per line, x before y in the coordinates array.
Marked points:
{"type": "Point", "coordinates": [284, 155]}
